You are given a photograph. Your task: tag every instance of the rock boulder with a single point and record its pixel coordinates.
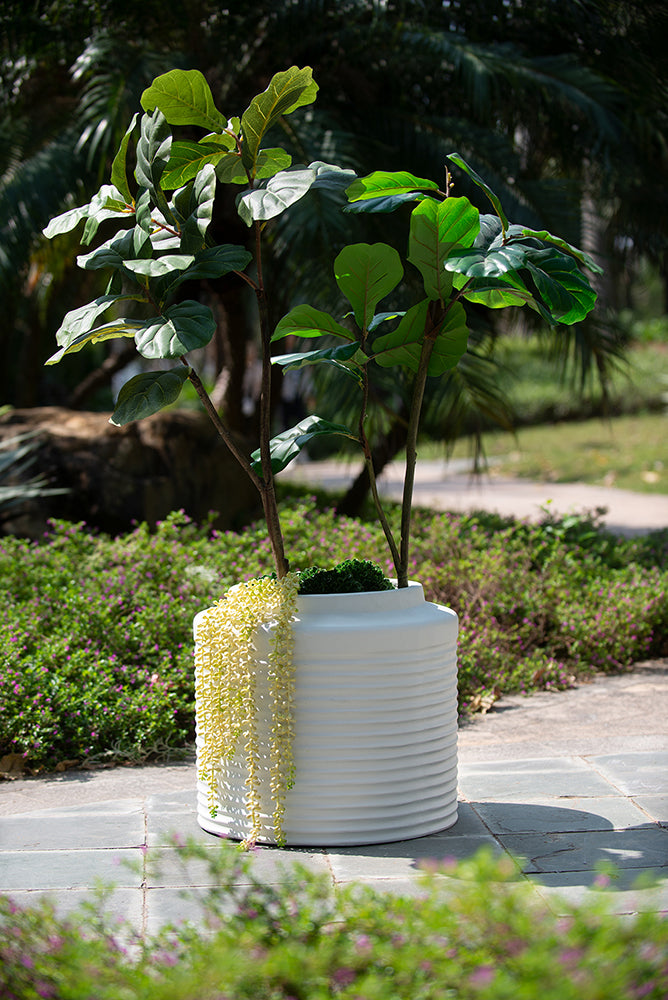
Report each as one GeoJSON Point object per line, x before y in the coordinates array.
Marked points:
{"type": "Point", "coordinates": [117, 475]}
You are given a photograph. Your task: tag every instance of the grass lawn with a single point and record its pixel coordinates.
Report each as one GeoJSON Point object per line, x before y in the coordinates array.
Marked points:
{"type": "Point", "coordinates": [541, 392]}
{"type": "Point", "coordinates": [629, 452]}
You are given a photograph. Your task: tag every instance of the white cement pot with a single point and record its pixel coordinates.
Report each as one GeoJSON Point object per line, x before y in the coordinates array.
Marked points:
{"type": "Point", "coordinates": [376, 725]}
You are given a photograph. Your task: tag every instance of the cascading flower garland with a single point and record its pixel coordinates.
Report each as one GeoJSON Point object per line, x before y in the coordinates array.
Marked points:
{"type": "Point", "coordinates": [228, 682]}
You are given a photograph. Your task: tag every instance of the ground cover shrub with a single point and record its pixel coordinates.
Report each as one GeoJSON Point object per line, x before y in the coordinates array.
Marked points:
{"type": "Point", "coordinates": [96, 632]}
{"type": "Point", "coordinates": [477, 930]}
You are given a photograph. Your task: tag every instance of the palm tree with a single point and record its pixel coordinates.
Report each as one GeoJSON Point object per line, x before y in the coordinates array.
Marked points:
{"type": "Point", "coordinates": [529, 94]}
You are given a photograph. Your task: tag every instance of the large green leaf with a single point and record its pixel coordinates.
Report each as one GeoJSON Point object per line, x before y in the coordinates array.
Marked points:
{"type": "Point", "coordinates": [275, 195]}
{"type": "Point", "coordinates": [119, 176]}
{"type": "Point", "coordinates": [180, 328]}
{"type": "Point", "coordinates": [340, 357]}
{"type": "Point", "coordinates": [564, 290]}
{"type": "Point", "coordinates": [66, 221]}
{"type": "Point", "coordinates": [224, 140]}
{"type": "Point", "coordinates": [403, 346]}
{"type": "Point", "coordinates": [478, 262]}
{"type": "Point", "coordinates": [496, 293]}
{"type": "Point", "coordinates": [108, 203]}
{"type": "Point", "coordinates": [382, 184]}
{"type": "Point", "coordinates": [294, 88]}
{"type": "Point", "coordinates": [147, 393]}
{"type": "Point", "coordinates": [158, 267]}
{"type": "Point", "coordinates": [546, 237]}
{"type": "Point", "coordinates": [213, 263]}
{"type": "Point", "coordinates": [112, 253]}
{"type": "Point", "coordinates": [436, 228]}
{"type": "Point", "coordinates": [110, 331]}
{"type": "Point", "coordinates": [270, 162]}
{"type": "Point", "coordinates": [366, 274]}
{"type": "Point", "coordinates": [144, 209]}
{"type": "Point", "coordinates": [383, 205]}
{"type": "Point", "coordinates": [286, 446]}
{"type": "Point", "coordinates": [230, 169]}
{"type": "Point", "coordinates": [307, 322]}
{"type": "Point", "coordinates": [81, 320]}
{"type": "Point", "coordinates": [330, 177]}
{"type": "Point", "coordinates": [187, 159]}
{"type": "Point", "coordinates": [184, 98]}
{"type": "Point", "coordinates": [477, 179]}
{"type": "Point", "coordinates": [198, 210]}
{"type": "Point", "coordinates": [153, 152]}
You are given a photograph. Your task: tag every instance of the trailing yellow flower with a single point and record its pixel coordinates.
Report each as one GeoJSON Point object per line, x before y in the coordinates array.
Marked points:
{"type": "Point", "coordinates": [228, 680]}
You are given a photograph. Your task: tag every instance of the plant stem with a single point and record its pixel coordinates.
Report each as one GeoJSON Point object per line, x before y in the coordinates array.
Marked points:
{"type": "Point", "coordinates": [220, 426]}
{"type": "Point", "coordinates": [435, 315]}
{"type": "Point", "coordinates": [268, 488]}
{"type": "Point", "coordinates": [267, 493]}
{"type": "Point", "coordinates": [368, 461]}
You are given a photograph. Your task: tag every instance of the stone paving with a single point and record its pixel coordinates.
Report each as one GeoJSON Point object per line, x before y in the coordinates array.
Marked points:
{"type": "Point", "coordinates": [561, 782]}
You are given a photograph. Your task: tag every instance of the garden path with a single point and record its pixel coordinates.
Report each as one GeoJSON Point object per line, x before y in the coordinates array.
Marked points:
{"type": "Point", "coordinates": [450, 486]}
{"type": "Point", "coordinates": [564, 782]}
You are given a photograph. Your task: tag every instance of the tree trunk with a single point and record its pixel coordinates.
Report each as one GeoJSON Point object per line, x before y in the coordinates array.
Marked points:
{"type": "Point", "coordinates": [387, 448]}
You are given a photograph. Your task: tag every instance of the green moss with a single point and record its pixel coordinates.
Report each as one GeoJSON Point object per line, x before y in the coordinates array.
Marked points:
{"type": "Point", "coordinates": [352, 576]}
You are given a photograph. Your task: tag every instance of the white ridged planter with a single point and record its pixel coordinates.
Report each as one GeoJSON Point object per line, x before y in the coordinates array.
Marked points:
{"type": "Point", "coordinates": [375, 720]}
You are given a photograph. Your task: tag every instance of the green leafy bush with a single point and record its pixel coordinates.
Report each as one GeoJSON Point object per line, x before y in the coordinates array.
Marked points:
{"type": "Point", "coordinates": [96, 632]}
{"type": "Point", "coordinates": [475, 932]}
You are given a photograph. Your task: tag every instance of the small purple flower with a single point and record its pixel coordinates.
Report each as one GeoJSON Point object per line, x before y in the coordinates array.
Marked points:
{"type": "Point", "coordinates": [482, 976]}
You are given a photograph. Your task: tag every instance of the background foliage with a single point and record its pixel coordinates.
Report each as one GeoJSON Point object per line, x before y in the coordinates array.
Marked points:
{"type": "Point", "coordinates": [559, 104]}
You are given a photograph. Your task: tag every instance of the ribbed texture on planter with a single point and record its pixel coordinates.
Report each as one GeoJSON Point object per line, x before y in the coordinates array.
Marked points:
{"type": "Point", "coordinates": [376, 725]}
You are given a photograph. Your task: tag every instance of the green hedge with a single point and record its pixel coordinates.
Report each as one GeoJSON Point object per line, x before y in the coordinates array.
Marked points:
{"type": "Point", "coordinates": [96, 632]}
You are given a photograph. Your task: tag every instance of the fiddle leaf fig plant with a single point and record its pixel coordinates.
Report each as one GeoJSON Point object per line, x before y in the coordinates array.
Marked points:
{"type": "Point", "coordinates": [163, 214]}
{"type": "Point", "coordinates": [462, 256]}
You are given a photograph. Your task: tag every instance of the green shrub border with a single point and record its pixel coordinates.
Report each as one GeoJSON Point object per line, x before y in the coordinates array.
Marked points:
{"type": "Point", "coordinates": [96, 632]}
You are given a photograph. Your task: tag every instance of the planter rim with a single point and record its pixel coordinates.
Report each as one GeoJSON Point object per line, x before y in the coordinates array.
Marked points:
{"type": "Point", "coordinates": [356, 602]}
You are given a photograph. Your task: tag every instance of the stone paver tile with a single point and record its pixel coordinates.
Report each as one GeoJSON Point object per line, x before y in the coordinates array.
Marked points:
{"type": "Point", "coordinates": [79, 827]}
{"type": "Point", "coordinates": [644, 848]}
{"type": "Point", "coordinates": [182, 800]}
{"type": "Point", "coordinates": [655, 805]}
{"type": "Point", "coordinates": [575, 888]}
{"type": "Point", "coordinates": [468, 823]}
{"type": "Point", "coordinates": [163, 827]}
{"type": "Point", "coordinates": [175, 906]}
{"type": "Point", "coordinates": [521, 779]}
{"type": "Point", "coordinates": [167, 868]}
{"type": "Point", "coordinates": [121, 907]}
{"type": "Point", "coordinates": [549, 815]}
{"type": "Point", "coordinates": [635, 773]}
{"type": "Point", "coordinates": [404, 859]}
{"type": "Point", "coordinates": [68, 869]}
{"type": "Point", "coordinates": [411, 887]}
{"type": "Point", "coordinates": [275, 864]}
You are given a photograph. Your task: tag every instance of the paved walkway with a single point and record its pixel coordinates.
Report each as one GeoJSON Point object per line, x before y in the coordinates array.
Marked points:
{"type": "Point", "coordinates": [565, 781]}
{"type": "Point", "coordinates": [445, 485]}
